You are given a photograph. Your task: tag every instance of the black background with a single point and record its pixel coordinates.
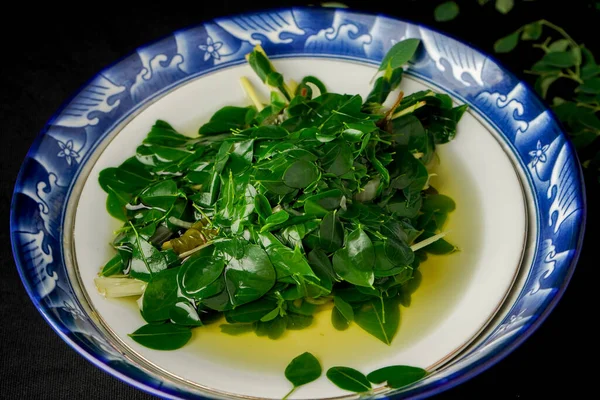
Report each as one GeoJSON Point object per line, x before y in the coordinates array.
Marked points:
{"type": "Point", "coordinates": [47, 54]}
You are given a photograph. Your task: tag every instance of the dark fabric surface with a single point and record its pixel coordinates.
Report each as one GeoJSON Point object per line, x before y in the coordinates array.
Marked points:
{"type": "Point", "coordinates": [49, 55]}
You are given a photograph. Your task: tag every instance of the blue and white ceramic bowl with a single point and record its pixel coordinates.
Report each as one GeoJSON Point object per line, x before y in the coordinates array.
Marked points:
{"type": "Point", "coordinates": [515, 178]}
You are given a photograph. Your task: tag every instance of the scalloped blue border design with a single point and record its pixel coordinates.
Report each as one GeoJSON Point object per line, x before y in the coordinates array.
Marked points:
{"type": "Point", "coordinates": [526, 125]}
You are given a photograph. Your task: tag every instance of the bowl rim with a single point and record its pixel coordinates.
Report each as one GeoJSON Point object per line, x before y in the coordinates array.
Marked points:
{"type": "Point", "coordinates": [480, 365]}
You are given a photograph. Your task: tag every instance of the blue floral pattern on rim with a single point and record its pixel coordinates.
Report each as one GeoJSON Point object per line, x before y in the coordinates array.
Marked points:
{"type": "Point", "coordinates": [525, 124]}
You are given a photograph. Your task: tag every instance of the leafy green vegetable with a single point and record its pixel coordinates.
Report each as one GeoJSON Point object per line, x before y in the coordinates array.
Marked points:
{"type": "Point", "coordinates": [504, 6]}
{"type": "Point", "coordinates": [564, 59]}
{"type": "Point", "coordinates": [348, 379]}
{"type": "Point", "coordinates": [399, 54]}
{"type": "Point", "coordinates": [302, 370]}
{"type": "Point", "coordinates": [344, 308]}
{"type": "Point", "coordinates": [275, 210]}
{"type": "Point", "coordinates": [162, 337]}
{"type": "Point", "coordinates": [446, 11]}
{"type": "Point", "coordinates": [114, 266]}
{"type": "Point", "coordinates": [338, 321]}
{"type": "Point", "coordinates": [397, 376]}
{"type": "Point", "coordinates": [197, 273]}
{"type": "Point", "coordinates": [380, 320]}
{"type": "Point", "coordinates": [250, 276]}
{"type": "Point", "coordinates": [160, 296]}
{"type": "Point", "coordinates": [507, 43]}
{"type": "Point", "coordinates": [184, 313]}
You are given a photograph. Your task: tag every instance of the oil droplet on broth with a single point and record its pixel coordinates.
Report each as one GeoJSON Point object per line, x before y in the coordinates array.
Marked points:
{"type": "Point", "coordinates": [442, 278]}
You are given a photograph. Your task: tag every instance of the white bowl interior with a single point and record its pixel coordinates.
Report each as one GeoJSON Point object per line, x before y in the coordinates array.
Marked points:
{"type": "Point", "coordinates": [459, 293]}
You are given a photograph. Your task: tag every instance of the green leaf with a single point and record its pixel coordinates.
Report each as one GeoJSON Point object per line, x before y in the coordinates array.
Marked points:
{"type": "Point", "coordinates": [162, 337]}
{"type": "Point", "coordinates": [146, 260]}
{"type": "Point", "coordinates": [226, 119]}
{"type": "Point", "coordinates": [590, 86]}
{"type": "Point", "coordinates": [198, 272]}
{"type": "Point", "coordinates": [219, 302]}
{"type": "Point", "coordinates": [348, 379]}
{"type": "Point", "coordinates": [130, 177]}
{"type": "Point", "coordinates": [397, 376]}
{"type": "Point", "coordinates": [250, 276]}
{"type": "Point", "coordinates": [446, 11]}
{"type": "Point", "coordinates": [321, 263]}
{"type": "Point", "coordinates": [288, 262]}
{"type": "Point", "coordinates": [300, 174]}
{"type": "Point", "coordinates": [504, 6]}
{"type": "Point", "coordinates": [558, 46]}
{"type": "Point", "coordinates": [438, 203]}
{"type": "Point", "coordinates": [399, 54]}
{"type": "Point", "coordinates": [270, 132]}
{"type": "Point", "coordinates": [344, 308]}
{"type": "Point", "coordinates": [507, 43]}
{"type": "Point", "coordinates": [271, 315]}
{"type": "Point", "coordinates": [161, 195]}
{"type": "Point", "coordinates": [262, 206]}
{"type": "Point", "coordinates": [297, 321]}
{"type": "Point", "coordinates": [116, 203]}
{"type": "Point", "coordinates": [360, 250]}
{"type": "Point", "coordinates": [440, 246]}
{"type": "Point", "coordinates": [302, 370]}
{"type": "Point", "coordinates": [381, 322]}
{"type": "Point", "coordinates": [302, 307]}
{"type": "Point", "coordinates": [160, 296]}
{"type": "Point", "coordinates": [114, 266]}
{"type": "Point", "coordinates": [265, 71]}
{"type": "Point", "coordinates": [251, 312]}
{"type": "Point", "coordinates": [590, 71]}
{"type": "Point", "coordinates": [576, 52]}
{"type": "Point", "coordinates": [543, 83]}
{"type": "Point", "coordinates": [322, 203]}
{"type": "Point", "coordinates": [338, 158]}
{"type": "Point", "coordinates": [275, 219]}
{"type": "Point", "coordinates": [378, 95]}
{"type": "Point", "coordinates": [348, 271]}
{"type": "Point", "coordinates": [273, 329]}
{"type": "Point", "coordinates": [561, 59]}
{"type": "Point", "coordinates": [338, 321]}
{"type": "Point", "coordinates": [532, 31]}
{"type": "Point", "coordinates": [398, 252]}
{"type": "Point", "coordinates": [331, 233]}
{"type": "Point", "coordinates": [183, 313]}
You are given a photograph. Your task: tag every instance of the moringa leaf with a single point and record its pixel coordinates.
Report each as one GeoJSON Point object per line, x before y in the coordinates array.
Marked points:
{"type": "Point", "coordinates": [446, 11]}
{"type": "Point", "coordinates": [162, 337]}
{"type": "Point", "coordinates": [507, 43]}
{"type": "Point", "coordinates": [302, 370]}
{"type": "Point", "coordinates": [504, 6]}
{"type": "Point", "coordinates": [399, 54]}
{"type": "Point", "coordinates": [160, 296]}
{"type": "Point", "coordinates": [379, 320]}
{"type": "Point", "coordinates": [397, 376]}
{"type": "Point", "coordinates": [348, 379]}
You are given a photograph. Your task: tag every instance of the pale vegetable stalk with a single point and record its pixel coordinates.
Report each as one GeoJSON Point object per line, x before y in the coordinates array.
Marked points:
{"type": "Point", "coordinates": [119, 286]}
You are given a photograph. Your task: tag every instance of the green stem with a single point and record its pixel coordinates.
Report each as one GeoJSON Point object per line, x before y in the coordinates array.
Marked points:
{"type": "Point", "coordinates": [290, 393]}
{"type": "Point", "coordinates": [571, 75]}
{"type": "Point", "coordinates": [561, 31]}
{"type": "Point", "coordinates": [574, 75]}
{"type": "Point", "coordinates": [593, 107]}
{"type": "Point", "coordinates": [543, 46]}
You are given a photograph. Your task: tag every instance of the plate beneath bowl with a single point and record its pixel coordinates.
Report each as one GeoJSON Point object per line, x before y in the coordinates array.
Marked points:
{"type": "Point", "coordinates": [144, 84]}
